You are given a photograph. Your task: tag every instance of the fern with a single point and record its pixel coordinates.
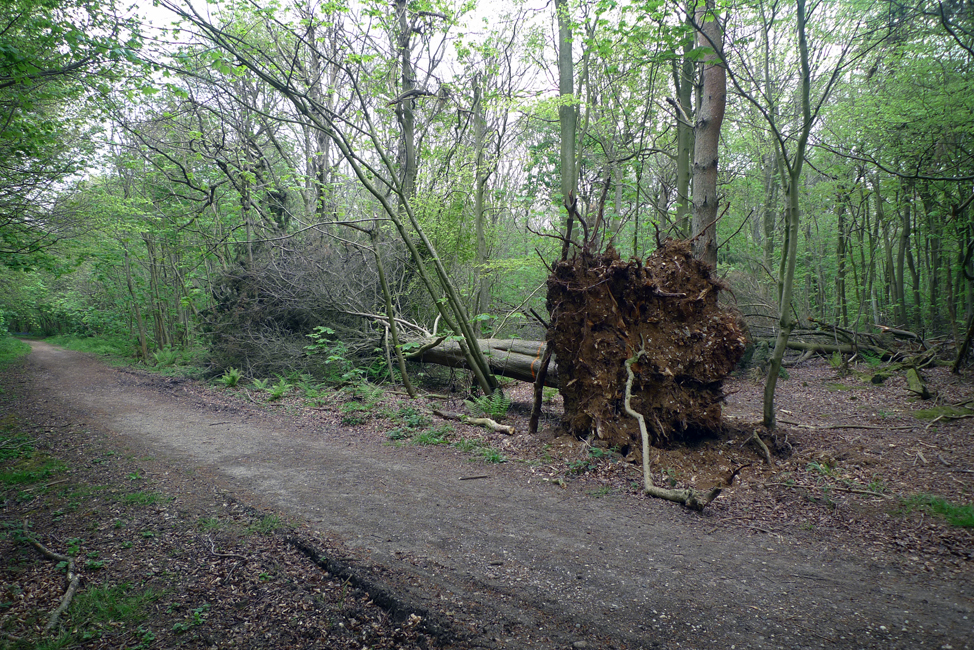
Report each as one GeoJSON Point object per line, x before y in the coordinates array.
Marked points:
{"type": "Point", "coordinates": [493, 406]}
{"type": "Point", "coordinates": [231, 377]}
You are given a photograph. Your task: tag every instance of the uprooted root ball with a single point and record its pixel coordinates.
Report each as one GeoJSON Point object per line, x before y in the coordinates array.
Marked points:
{"type": "Point", "coordinates": [603, 310]}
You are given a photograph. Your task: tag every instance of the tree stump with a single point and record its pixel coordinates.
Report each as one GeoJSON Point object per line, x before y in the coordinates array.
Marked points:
{"type": "Point", "coordinates": [604, 309]}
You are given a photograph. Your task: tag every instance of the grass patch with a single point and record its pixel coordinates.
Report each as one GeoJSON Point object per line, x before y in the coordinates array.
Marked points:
{"type": "Point", "coordinates": [102, 608]}
{"type": "Point", "coordinates": [491, 455]}
{"type": "Point", "coordinates": [207, 524]}
{"type": "Point", "coordinates": [267, 525]}
{"type": "Point", "coordinates": [29, 469]}
{"type": "Point", "coordinates": [141, 498]}
{"type": "Point", "coordinates": [941, 411]}
{"type": "Point", "coordinates": [12, 349]}
{"type": "Point", "coordinates": [436, 436]}
{"type": "Point", "coordinates": [961, 516]}
{"type": "Point", "coordinates": [470, 445]}
{"type": "Point", "coordinates": [107, 346]}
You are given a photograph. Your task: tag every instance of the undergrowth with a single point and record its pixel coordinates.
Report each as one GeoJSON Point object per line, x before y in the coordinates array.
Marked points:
{"type": "Point", "coordinates": [12, 349]}
{"type": "Point", "coordinates": [961, 516]}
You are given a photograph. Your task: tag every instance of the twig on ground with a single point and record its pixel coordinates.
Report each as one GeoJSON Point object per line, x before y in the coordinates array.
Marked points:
{"type": "Point", "coordinates": [949, 417]}
{"type": "Point", "coordinates": [483, 422]}
{"type": "Point", "coordinates": [843, 426]}
{"type": "Point", "coordinates": [73, 580]}
{"type": "Point", "coordinates": [831, 487]}
{"type": "Point", "coordinates": [214, 553]}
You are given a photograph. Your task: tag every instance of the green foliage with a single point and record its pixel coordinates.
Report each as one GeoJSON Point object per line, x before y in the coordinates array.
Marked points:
{"type": "Point", "coordinates": [11, 349]}
{"type": "Point", "coordinates": [197, 617]}
{"type": "Point", "coordinates": [820, 468]}
{"type": "Point", "coordinates": [491, 455]}
{"type": "Point", "coordinates": [339, 367]}
{"type": "Point", "coordinates": [872, 359]}
{"type": "Point", "coordinates": [593, 457]}
{"type": "Point", "coordinates": [278, 390]}
{"type": "Point", "coordinates": [436, 436]}
{"type": "Point", "coordinates": [260, 384]}
{"type": "Point", "coordinates": [230, 378]}
{"type": "Point", "coordinates": [412, 420]}
{"type": "Point", "coordinates": [960, 516]}
{"type": "Point", "coordinates": [141, 498]}
{"type": "Point", "coordinates": [267, 525]}
{"type": "Point", "coordinates": [108, 346]}
{"type": "Point", "coordinates": [22, 465]}
{"type": "Point", "coordinates": [494, 406]}
{"type": "Point", "coordinates": [165, 357]}
{"type": "Point", "coordinates": [947, 411]}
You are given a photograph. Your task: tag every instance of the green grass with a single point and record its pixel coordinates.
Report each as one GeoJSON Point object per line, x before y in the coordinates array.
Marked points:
{"type": "Point", "coordinates": [436, 436]}
{"type": "Point", "coordinates": [470, 445]}
{"type": "Point", "coordinates": [110, 346]}
{"type": "Point", "coordinates": [267, 525]}
{"type": "Point", "coordinates": [97, 610]}
{"type": "Point", "coordinates": [961, 516]}
{"type": "Point", "coordinates": [29, 469]}
{"type": "Point", "coordinates": [941, 411]}
{"type": "Point", "coordinates": [491, 455]}
{"type": "Point", "coordinates": [11, 349]}
{"type": "Point", "coordinates": [141, 498]}
{"type": "Point", "coordinates": [209, 523]}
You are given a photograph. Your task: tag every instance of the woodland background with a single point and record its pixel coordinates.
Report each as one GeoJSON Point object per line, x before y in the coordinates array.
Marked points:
{"type": "Point", "coordinates": [235, 183]}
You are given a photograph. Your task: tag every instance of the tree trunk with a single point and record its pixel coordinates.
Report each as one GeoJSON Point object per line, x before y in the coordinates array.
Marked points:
{"type": "Point", "coordinates": [706, 136]}
{"type": "Point", "coordinates": [511, 358]}
{"type": "Point", "coordinates": [567, 115]}
{"type": "Point", "coordinates": [840, 259]}
{"type": "Point", "coordinates": [480, 188]}
{"type": "Point", "coordinates": [789, 253]}
{"type": "Point", "coordinates": [683, 82]}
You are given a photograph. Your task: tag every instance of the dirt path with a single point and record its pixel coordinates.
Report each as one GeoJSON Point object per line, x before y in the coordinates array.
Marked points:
{"type": "Point", "coordinates": [510, 563]}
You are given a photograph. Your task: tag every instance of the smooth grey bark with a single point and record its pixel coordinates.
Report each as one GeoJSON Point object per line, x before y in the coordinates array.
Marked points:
{"type": "Point", "coordinates": [567, 116]}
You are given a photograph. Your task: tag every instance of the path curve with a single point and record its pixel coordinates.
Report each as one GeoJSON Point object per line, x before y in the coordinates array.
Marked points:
{"type": "Point", "coordinates": [519, 564]}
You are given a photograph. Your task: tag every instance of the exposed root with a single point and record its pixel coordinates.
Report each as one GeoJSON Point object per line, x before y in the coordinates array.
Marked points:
{"type": "Point", "coordinates": [764, 448]}
{"type": "Point", "coordinates": [689, 497]}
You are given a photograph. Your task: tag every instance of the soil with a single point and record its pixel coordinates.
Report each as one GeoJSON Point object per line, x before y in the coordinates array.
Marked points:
{"type": "Point", "coordinates": [282, 527]}
{"type": "Point", "coordinates": [664, 312]}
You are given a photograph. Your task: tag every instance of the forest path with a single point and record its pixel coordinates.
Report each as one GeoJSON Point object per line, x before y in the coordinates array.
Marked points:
{"type": "Point", "coordinates": [507, 561]}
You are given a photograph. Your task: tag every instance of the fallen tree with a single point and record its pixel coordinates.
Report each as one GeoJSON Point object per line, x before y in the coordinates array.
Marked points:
{"type": "Point", "coordinates": [512, 358]}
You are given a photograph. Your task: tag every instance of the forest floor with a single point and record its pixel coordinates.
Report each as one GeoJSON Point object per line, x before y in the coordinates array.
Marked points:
{"type": "Point", "coordinates": [200, 517]}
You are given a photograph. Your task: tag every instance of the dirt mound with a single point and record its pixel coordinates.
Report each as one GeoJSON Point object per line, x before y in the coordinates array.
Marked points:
{"type": "Point", "coordinates": [604, 310]}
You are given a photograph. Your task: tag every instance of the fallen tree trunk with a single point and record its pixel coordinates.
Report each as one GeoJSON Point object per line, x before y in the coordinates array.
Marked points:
{"type": "Point", "coordinates": [845, 348]}
{"type": "Point", "coordinates": [512, 358]}
{"type": "Point", "coordinates": [916, 384]}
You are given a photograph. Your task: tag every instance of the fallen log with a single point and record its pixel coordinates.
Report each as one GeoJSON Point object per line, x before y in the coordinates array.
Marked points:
{"type": "Point", "coordinates": [487, 423]}
{"type": "Point", "coordinates": [844, 348]}
{"type": "Point", "coordinates": [917, 385]}
{"type": "Point", "coordinates": [512, 358]}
